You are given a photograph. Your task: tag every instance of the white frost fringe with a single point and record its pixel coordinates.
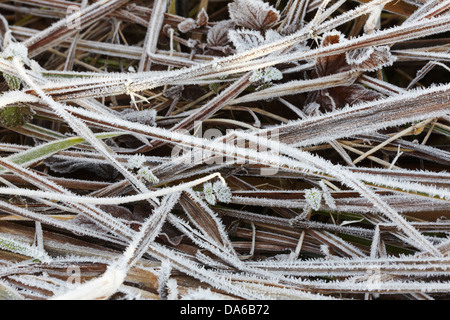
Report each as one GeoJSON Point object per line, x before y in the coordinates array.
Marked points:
{"type": "Point", "coordinates": [97, 289]}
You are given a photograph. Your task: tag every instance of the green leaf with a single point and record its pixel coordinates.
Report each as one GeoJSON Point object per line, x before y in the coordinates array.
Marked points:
{"type": "Point", "coordinates": [13, 82]}
{"type": "Point", "coordinates": [214, 87]}
{"type": "Point", "coordinates": [23, 249]}
{"type": "Point", "coordinates": [27, 157]}
{"type": "Point", "coordinates": [15, 116]}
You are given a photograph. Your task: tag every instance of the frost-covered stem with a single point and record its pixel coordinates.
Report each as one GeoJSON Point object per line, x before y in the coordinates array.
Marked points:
{"type": "Point", "coordinates": [325, 14]}
{"type": "Point", "coordinates": [429, 9]}
{"type": "Point", "coordinates": [163, 279]}
{"type": "Point", "coordinates": [298, 86]}
{"type": "Point", "coordinates": [194, 269]}
{"type": "Point", "coordinates": [235, 64]}
{"type": "Point", "coordinates": [243, 62]}
{"type": "Point", "coordinates": [153, 30]}
{"type": "Point", "coordinates": [384, 87]}
{"type": "Point", "coordinates": [48, 203]}
{"type": "Point", "coordinates": [220, 234]}
{"type": "Point", "coordinates": [225, 255]}
{"type": "Point", "coordinates": [218, 145]}
{"type": "Point", "coordinates": [407, 55]}
{"type": "Point", "coordinates": [406, 266]}
{"type": "Point", "coordinates": [295, 14]}
{"type": "Point", "coordinates": [421, 73]}
{"type": "Point", "coordinates": [206, 242]}
{"type": "Point", "coordinates": [383, 37]}
{"type": "Point", "coordinates": [317, 16]}
{"type": "Point", "coordinates": [106, 285]}
{"type": "Point", "coordinates": [421, 189]}
{"type": "Point", "coordinates": [148, 232]}
{"type": "Point", "coordinates": [179, 59]}
{"type": "Point", "coordinates": [10, 244]}
{"type": "Point", "coordinates": [72, 49]}
{"type": "Point", "coordinates": [216, 103]}
{"type": "Point", "coordinates": [252, 249]}
{"type": "Point", "coordinates": [299, 244]}
{"type": "Point", "coordinates": [81, 128]}
{"type": "Point", "coordinates": [336, 242]}
{"type": "Point", "coordinates": [38, 236]}
{"type": "Point", "coordinates": [386, 287]}
{"type": "Point", "coordinates": [372, 116]}
{"type": "Point", "coordinates": [14, 210]}
{"type": "Point", "coordinates": [397, 156]}
{"type": "Point", "coordinates": [108, 200]}
{"type": "Point", "coordinates": [296, 223]}
{"type": "Point", "coordinates": [375, 243]}
{"type": "Point", "coordinates": [425, 151]}
{"type": "Point", "coordinates": [392, 138]}
{"type": "Point", "coordinates": [64, 28]}
{"type": "Point", "coordinates": [10, 292]}
{"type": "Point", "coordinates": [50, 187]}
{"type": "Point", "coordinates": [347, 178]}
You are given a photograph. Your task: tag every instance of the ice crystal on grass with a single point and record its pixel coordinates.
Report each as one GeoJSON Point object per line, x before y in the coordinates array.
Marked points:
{"type": "Point", "coordinates": [136, 161]}
{"type": "Point", "coordinates": [7, 243]}
{"type": "Point", "coordinates": [327, 197]}
{"type": "Point", "coordinates": [163, 278]}
{"type": "Point", "coordinates": [147, 116]}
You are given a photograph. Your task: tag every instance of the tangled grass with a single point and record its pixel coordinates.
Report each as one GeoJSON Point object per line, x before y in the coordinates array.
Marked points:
{"type": "Point", "coordinates": [242, 149]}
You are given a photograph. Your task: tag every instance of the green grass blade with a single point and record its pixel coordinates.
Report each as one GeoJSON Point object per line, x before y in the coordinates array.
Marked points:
{"type": "Point", "coordinates": [26, 158]}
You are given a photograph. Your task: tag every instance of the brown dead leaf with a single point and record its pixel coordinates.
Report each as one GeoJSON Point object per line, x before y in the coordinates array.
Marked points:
{"type": "Point", "coordinates": [369, 59]}
{"type": "Point", "coordinates": [218, 35]}
{"type": "Point", "coordinates": [202, 18]}
{"type": "Point", "coordinates": [115, 211]}
{"type": "Point", "coordinates": [353, 62]}
{"type": "Point", "coordinates": [253, 14]}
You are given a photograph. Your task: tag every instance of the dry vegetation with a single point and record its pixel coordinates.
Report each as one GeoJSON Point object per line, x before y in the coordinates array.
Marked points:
{"type": "Point", "coordinates": [241, 149]}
